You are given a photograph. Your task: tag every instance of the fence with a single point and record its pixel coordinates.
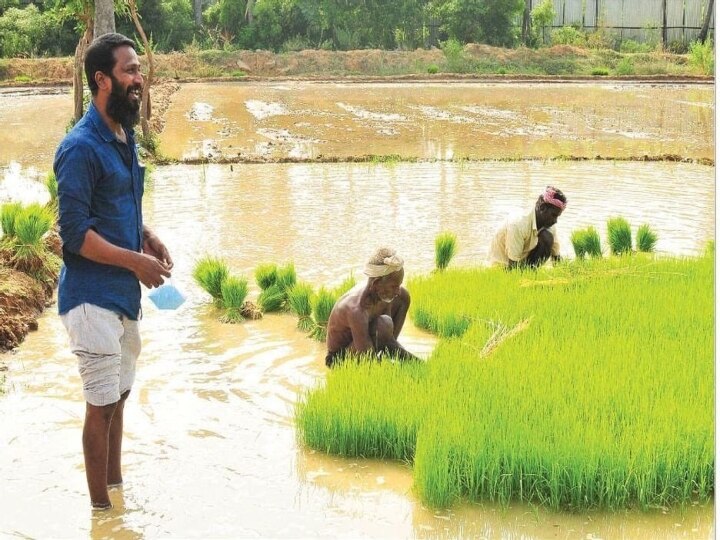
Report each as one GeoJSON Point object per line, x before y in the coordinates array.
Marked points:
{"type": "Point", "coordinates": [641, 20]}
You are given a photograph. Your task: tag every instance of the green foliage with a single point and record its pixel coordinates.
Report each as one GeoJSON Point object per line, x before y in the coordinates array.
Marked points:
{"type": "Point", "coordinates": [586, 242]}
{"type": "Point", "coordinates": [566, 409]}
{"type": "Point", "coordinates": [210, 273]}
{"type": "Point", "coordinates": [568, 35]}
{"type": "Point", "coordinates": [445, 247]}
{"type": "Point", "coordinates": [645, 239]}
{"type": "Point", "coordinates": [542, 16]}
{"type": "Point", "coordinates": [234, 290]}
{"type": "Point", "coordinates": [702, 57]}
{"type": "Point", "coordinates": [300, 298]}
{"type": "Point", "coordinates": [602, 71]}
{"type": "Point", "coordinates": [632, 46]}
{"type": "Point", "coordinates": [272, 298]}
{"type": "Point", "coordinates": [619, 236]}
{"type": "Point", "coordinates": [266, 275]}
{"type": "Point", "coordinates": [478, 21]}
{"type": "Point", "coordinates": [625, 67]}
{"type": "Point", "coordinates": [8, 213]}
{"type": "Point", "coordinates": [322, 305]}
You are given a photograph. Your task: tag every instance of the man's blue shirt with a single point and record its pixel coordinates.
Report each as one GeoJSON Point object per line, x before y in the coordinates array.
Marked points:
{"type": "Point", "coordinates": [100, 187]}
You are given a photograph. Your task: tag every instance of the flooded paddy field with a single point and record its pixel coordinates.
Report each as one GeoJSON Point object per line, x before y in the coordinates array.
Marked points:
{"type": "Point", "coordinates": [210, 447]}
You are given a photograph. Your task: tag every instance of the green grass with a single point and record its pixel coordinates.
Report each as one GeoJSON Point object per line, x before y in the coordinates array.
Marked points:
{"type": "Point", "coordinates": [619, 236]}
{"type": "Point", "coordinates": [234, 291]}
{"type": "Point", "coordinates": [579, 386]}
{"type": "Point", "coordinates": [445, 248]}
{"type": "Point", "coordinates": [210, 273]}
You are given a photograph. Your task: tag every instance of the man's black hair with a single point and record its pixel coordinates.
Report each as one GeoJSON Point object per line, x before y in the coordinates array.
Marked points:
{"type": "Point", "coordinates": [100, 56]}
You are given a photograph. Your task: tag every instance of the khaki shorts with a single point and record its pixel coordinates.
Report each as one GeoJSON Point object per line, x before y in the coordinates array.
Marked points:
{"type": "Point", "coordinates": [107, 346]}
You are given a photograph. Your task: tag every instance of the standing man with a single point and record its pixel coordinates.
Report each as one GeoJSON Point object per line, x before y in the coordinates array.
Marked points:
{"type": "Point", "coordinates": [107, 252]}
{"type": "Point", "coordinates": [530, 240]}
{"type": "Point", "coordinates": [369, 317]}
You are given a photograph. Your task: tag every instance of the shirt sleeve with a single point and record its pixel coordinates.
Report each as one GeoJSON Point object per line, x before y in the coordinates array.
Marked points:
{"type": "Point", "coordinates": [514, 241]}
{"type": "Point", "coordinates": [75, 172]}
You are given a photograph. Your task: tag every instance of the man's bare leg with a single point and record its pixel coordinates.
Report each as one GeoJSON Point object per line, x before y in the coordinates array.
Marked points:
{"type": "Point", "coordinates": [385, 339]}
{"type": "Point", "coordinates": [95, 440]}
{"type": "Point", "coordinates": [114, 470]}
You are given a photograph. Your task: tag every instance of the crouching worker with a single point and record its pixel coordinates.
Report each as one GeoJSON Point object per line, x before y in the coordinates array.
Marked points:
{"type": "Point", "coordinates": [530, 240]}
{"type": "Point", "coordinates": [369, 317]}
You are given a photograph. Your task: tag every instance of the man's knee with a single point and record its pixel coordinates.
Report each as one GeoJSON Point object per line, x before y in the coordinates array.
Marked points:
{"type": "Point", "coordinates": [385, 331]}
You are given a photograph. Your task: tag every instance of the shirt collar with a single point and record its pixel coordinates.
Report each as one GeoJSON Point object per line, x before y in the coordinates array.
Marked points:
{"type": "Point", "coordinates": [102, 128]}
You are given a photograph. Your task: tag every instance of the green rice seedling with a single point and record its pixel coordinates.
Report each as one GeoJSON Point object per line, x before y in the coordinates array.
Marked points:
{"type": "Point", "coordinates": [300, 298]}
{"type": "Point", "coordinates": [322, 305]}
{"type": "Point", "coordinates": [210, 273]}
{"type": "Point", "coordinates": [561, 390]}
{"type": "Point", "coordinates": [619, 236]}
{"type": "Point", "coordinates": [234, 291]}
{"type": "Point", "coordinates": [8, 213]}
{"type": "Point", "coordinates": [577, 239]}
{"type": "Point", "coordinates": [266, 275]}
{"type": "Point", "coordinates": [445, 247]}
{"type": "Point", "coordinates": [645, 239]}
{"type": "Point", "coordinates": [286, 277]}
{"type": "Point", "coordinates": [52, 187]}
{"type": "Point", "coordinates": [271, 299]}
{"type": "Point", "coordinates": [586, 242]}
{"type": "Point", "coordinates": [347, 284]}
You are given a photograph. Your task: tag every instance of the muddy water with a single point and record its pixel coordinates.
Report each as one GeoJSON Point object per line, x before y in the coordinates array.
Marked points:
{"type": "Point", "coordinates": [210, 447]}
{"type": "Point", "coordinates": [439, 120]}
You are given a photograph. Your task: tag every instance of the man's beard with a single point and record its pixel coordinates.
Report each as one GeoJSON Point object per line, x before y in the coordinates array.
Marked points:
{"type": "Point", "coordinates": [120, 107]}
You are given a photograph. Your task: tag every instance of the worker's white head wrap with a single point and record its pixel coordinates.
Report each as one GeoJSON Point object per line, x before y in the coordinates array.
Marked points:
{"type": "Point", "coordinates": [390, 265]}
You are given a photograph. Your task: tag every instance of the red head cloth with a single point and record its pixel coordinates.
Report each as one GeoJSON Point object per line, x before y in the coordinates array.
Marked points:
{"type": "Point", "coordinates": [549, 197]}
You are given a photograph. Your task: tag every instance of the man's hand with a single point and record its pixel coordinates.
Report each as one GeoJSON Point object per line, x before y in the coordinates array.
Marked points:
{"type": "Point", "coordinates": [152, 245]}
{"type": "Point", "coordinates": [150, 270]}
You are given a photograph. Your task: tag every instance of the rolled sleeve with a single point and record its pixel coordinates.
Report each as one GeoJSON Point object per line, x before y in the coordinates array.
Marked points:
{"type": "Point", "coordinates": [75, 175]}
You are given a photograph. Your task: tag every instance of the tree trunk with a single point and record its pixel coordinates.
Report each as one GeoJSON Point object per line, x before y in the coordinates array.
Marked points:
{"type": "Point", "coordinates": [249, 10]}
{"type": "Point", "coordinates": [145, 110]}
{"type": "Point", "coordinates": [706, 23]}
{"type": "Point", "coordinates": [526, 23]}
{"type": "Point", "coordinates": [104, 17]}
{"type": "Point", "coordinates": [78, 86]}
{"type": "Point", "coordinates": [197, 10]}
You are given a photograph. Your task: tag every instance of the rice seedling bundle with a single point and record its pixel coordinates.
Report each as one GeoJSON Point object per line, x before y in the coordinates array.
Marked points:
{"type": "Point", "coordinates": [210, 273]}
{"type": "Point", "coordinates": [286, 277]}
{"type": "Point", "coordinates": [266, 275]}
{"type": "Point", "coordinates": [586, 242]}
{"type": "Point", "coordinates": [300, 302]}
{"type": "Point", "coordinates": [271, 299]}
{"type": "Point", "coordinates": [234, 291]}
{"type": "Point", "coordinates": [8, 213]}
{"type": "Point", "coordinates": [645, 239]}
{"type": "Point", "coordinates": [322, 305]}
{"type": "Point", "coordinates": [619, 236]}
{"type": "Point", "coordinates": [347, 284]}
{"type": "Point", "coordinates": [600, 394]}
{"type": "Point", "coordinates": [445, 246]}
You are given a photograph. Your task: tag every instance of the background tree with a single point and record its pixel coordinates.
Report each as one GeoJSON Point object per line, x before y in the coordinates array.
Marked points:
{"type": "Point", "coordinates": [104, 17]}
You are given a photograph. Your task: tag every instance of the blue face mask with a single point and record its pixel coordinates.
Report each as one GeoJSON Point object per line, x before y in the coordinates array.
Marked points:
{"type": "Point", "coordinates": [166, 296]}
